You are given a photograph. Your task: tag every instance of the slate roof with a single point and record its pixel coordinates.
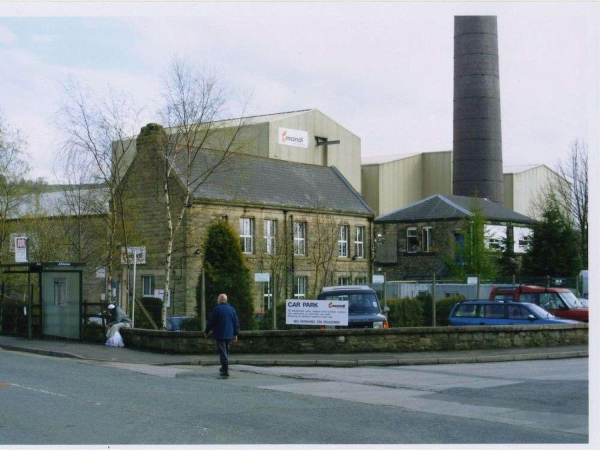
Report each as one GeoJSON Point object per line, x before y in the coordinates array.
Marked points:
{"type": "Point", "coordinates": [452, 207]}
{"type": "Point", "coordinates": [255, 180]}
{"type": "Point", "coordinates": [53, 203]}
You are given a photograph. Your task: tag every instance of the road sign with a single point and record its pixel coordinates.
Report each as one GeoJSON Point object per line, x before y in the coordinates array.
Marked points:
{"type": "Point", "coordinates": [262, 277]}
{"type": "Point", "coordinates": [378, 279]}
{"type": "Point", "coordinates": [21, 253]}
{"type": "Point", "coordinates": [140, 253]}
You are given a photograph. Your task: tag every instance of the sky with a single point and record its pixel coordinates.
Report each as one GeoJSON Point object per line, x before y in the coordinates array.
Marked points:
{"type": "Point", "coordinates": [382, 70]}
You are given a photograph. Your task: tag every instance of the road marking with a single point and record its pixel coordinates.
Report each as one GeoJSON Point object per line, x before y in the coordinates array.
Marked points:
{"type": "Point", "coordinates": [39, 390]}
{"type": "Point", "coordinates": [56, 394]}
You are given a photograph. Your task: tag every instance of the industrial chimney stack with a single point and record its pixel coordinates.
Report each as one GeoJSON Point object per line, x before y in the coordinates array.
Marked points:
{"type": "Point", "coordinates": [477, 155]}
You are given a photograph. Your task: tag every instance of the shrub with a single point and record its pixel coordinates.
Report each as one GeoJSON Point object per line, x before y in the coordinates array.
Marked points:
{"type": "Point", "coordinates": [405, 312]}
{"type": "Point", "coordinates": [191, 324]}
{"type": "Point", "coordinates": [425, 301]}
{"type": "Point", "coordinates": [226, 271]}
{"type": "Point", "coordinates": [154, 307]}
{"type": "Point", "coordinates": [443, 308]}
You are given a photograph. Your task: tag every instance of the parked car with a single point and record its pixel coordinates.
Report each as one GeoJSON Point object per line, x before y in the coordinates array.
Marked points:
{"type": "Point", "coordinates": [502, 312]}
{"type": "Point", "coordinates": [174, 323]}
{"type": "Point", "coordinates": [560, 302]}
{"type": "Point", "coordinates": [364, 310]}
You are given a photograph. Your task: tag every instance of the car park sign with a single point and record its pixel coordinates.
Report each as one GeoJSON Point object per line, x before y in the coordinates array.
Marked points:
{"type": "Point", "coordinates": [316, 312]}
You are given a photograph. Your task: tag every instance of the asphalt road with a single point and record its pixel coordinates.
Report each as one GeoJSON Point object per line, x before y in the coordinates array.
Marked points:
{"type": "Point", "coordinates": [48, 400]}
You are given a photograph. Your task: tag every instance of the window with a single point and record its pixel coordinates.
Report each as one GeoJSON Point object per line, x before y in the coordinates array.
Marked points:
{"type": "Point", "coordinates": [495, 236]}
{"type": "Point", "coordinates": [494, 311]}
{"type": "Point", "coordinates": [529, 297]}
{"type": "Point", "coordinates": [360, 280]}
{"type": "Point", "coordinates": [522, 238]}
{"type": "Point", "coordinates": [495, 243]}
{"type": "Point", "coordinates": [267, 295]}
{"type": "Point", "coordinates": [60, 291]}
{"type": "Point", "coordinates": [246, 234]}
{"type": "Point", "coordinates": [467, 311]}
{"type": "Point", "coordinates": [459, 241]}
{"type": "Point", "coordinates": [300, 287]}
{"type": "Point", "coordinates": [412, 240]}
{"type": "Point", "coordinates": [359, 242]}
{"type": "Point", "coordinates": [270, 235]}
{"type": "Point", "coordinates": [517, 312]}
{"type": "Point", "coordinates": [551, 300]}
{"type": "Point", "coordinates": [343, 241]}
{"type": "Point", "coordinates": [148, 286]}
{"type": "Point", "coordinates": [343, 281]}
{"type": "Point", "coordinates": [427, 239]}
{"type": "Point", "coordinates": [300, 238]}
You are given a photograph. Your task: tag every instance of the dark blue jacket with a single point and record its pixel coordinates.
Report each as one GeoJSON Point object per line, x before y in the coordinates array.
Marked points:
{"type": "Point", "coordinates": [224, 322]}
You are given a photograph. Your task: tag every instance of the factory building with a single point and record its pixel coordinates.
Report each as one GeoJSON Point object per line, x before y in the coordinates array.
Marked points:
{"type": "Point", "coordinates": [307, 136]}
{"type": "Point", "coordinates": [392, 182]}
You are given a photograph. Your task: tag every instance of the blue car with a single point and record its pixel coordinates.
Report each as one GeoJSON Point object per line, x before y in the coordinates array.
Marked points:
{"type": "Point", "coordinates": [486, 312]}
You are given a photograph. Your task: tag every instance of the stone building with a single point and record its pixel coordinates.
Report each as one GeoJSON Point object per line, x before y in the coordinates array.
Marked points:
{"type": "Point", "coordinates": [418, 237]}
{"type": "Point", "coordinates": [281, 209]}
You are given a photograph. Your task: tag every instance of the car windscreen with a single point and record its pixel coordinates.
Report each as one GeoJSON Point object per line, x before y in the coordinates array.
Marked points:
{"type": "Point", "coordinates": [359, 303]}
{"type": "Point", "coordinates": [539, 311]}
{"type": "Point", "coordinates": [570, 299]}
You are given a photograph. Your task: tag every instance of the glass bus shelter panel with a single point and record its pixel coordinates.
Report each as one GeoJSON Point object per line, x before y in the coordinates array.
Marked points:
{"type": "Point", "coordinates": [61, 304]}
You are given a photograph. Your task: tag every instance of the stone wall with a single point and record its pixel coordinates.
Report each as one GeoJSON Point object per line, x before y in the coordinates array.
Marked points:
{"type": "Point", "coordinates": [365, 340]}
{"type": "Point", "coordinates": [420, 263]}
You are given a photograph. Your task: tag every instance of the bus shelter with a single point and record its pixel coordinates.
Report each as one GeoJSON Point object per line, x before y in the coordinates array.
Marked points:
{"type": "Point", "coordinates": [57, 310]}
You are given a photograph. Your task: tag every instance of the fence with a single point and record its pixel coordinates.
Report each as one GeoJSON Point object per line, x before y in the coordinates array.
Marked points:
{"type": "Point", "coordinates": [445, 288]}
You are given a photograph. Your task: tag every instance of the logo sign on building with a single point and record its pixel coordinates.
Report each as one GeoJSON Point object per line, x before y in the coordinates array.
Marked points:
{"type": "Point", "coordinates": [293, 138]}
{"type": "Point", "coordinates": [263, 277]}
{"type": "Point", "coordinates": [21, 255]}
{"type": "Point", "coordinates": [140, 253]}
{"type": "Point", "coordinates": [316, 312]}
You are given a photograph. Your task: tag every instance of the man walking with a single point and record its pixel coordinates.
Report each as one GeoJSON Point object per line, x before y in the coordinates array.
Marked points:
{"type": "Point", "coordinates": [224, 323]}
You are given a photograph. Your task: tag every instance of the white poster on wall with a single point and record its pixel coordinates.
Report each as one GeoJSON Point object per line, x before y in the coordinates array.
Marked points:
{"type": "Point", "coordinates": [21, 249]}
{"type": "Point", "coordinates": [316, 312]}
{"type": "Point", "coordinates": [293, 138]}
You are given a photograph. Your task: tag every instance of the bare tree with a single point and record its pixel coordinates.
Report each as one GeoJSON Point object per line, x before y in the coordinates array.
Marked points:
{"type": "Point", "coordinates": [97, 138]}
{"type": "Point", "coordinates": [571, 196]}
{"type": "Point", "coordinates": [272, 257]}
{"type": "Point", "coordinates": [13, 167]}
{"type": "Point", "coordinates": [194, 103]}
{"type": "Point", "coordinates": [323, 248]}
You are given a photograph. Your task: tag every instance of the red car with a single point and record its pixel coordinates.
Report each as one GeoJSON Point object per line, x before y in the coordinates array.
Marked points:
{"type": "Point", "coordinates": [557, 301]}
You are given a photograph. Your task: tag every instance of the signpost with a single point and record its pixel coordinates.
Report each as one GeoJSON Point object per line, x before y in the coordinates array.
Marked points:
{"type": "Point", "coordinates": [138, 254]}
{"type": "Point", "coordinates": [316, 312]}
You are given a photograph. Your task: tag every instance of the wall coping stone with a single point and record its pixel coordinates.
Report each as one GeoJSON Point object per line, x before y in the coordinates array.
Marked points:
{"type": "Point", "coordinates": [361, 331]}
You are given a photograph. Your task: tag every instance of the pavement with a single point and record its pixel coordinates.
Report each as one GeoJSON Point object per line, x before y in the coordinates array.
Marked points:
{"type": "Point", "coordinates": [98, 352]}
